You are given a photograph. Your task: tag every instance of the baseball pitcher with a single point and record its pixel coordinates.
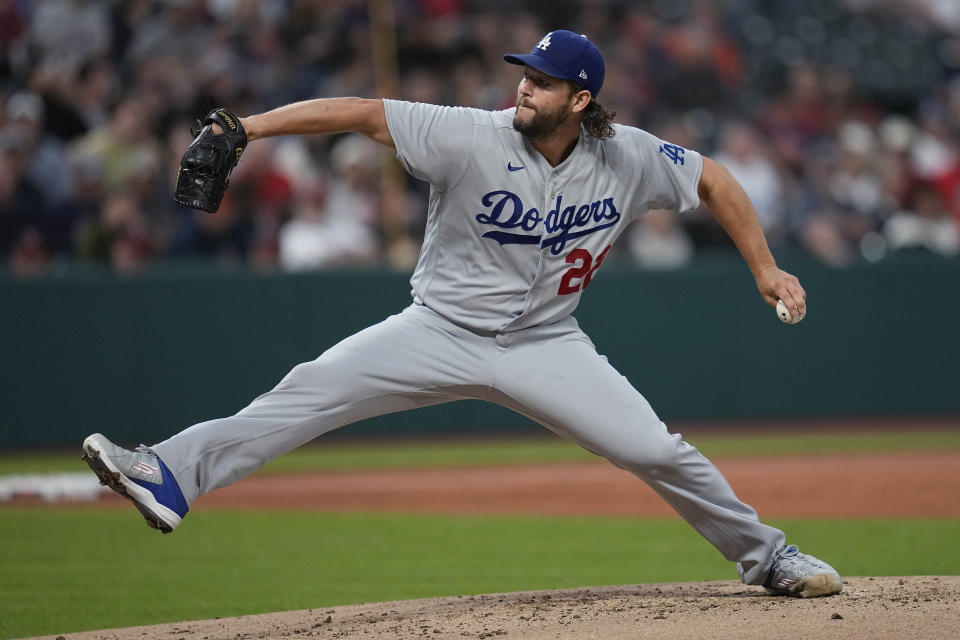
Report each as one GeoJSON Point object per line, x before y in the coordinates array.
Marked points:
{"type": "Point", "coordinates": [524, 206]}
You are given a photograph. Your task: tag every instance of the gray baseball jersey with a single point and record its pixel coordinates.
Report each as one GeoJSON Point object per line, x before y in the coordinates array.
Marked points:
{"type": "Point", "coordinates": [511, 243]}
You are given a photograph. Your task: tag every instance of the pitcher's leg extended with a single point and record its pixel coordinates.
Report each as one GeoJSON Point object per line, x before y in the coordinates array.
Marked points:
{"type": "Point", "coordinates": [560, 381]}
{"type": "Point", "coordinates": [409, 360]}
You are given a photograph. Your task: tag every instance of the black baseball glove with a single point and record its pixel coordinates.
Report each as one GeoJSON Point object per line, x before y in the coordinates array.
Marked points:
{"type": "Point", "coordinates": [206, 164]}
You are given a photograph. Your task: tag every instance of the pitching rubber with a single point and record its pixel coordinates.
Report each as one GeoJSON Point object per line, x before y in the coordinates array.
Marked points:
{"type": "Point", "coordinates": [157, 516]}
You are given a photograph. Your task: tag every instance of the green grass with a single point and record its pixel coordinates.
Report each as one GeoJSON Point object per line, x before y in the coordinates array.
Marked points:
{"type": "Point", "coordinates": [68, 570]}
{"type": "Point", "coordinates": [392, 455]}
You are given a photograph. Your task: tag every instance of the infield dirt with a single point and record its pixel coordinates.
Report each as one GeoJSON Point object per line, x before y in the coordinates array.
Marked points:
{"type": "Point", "coordinates": [875, 608]}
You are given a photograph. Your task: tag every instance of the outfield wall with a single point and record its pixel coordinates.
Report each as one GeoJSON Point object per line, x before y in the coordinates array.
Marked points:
{"type": "Point", "coordinates": [141, 357]}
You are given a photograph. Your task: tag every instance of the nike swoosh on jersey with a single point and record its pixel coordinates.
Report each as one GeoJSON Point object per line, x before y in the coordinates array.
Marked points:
{"type": "Point", "coordinates": [512, 168]}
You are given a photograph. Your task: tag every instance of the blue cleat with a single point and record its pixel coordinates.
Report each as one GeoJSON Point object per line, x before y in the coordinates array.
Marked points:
{"type": "Point", "coordinates": [139, 476]}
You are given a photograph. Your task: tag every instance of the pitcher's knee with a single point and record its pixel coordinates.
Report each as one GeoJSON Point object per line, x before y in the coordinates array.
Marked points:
{"type": "Point", "coordinates": [649, 455]}
{"type": "Point", "coordinates": [308, 388]}
{"type": "Point", "coordinates": [317, 375]}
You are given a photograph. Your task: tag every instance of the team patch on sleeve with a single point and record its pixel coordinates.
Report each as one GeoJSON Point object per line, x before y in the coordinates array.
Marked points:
{"type": "Point", "coordinates": [673, 152]}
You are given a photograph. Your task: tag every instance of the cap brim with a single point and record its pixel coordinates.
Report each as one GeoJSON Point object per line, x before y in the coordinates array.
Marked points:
{"type": "Point", "coordinates": [537, 63]}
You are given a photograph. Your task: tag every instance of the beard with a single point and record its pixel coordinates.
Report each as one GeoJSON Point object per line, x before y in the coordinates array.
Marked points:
{"type": "Point", "coordinates": [543, 124]}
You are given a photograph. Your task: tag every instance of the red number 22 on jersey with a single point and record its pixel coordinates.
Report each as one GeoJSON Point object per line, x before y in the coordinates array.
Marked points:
{"type": "Point", "coordinates": [578, 277]}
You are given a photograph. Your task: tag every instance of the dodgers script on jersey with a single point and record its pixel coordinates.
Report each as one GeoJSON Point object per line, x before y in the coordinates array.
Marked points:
{"type": "Point", "coordinates": [510, 241]}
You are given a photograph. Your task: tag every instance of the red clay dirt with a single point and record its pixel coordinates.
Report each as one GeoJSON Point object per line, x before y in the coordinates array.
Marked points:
{"type": "Point", "coordinates": [829, 486]}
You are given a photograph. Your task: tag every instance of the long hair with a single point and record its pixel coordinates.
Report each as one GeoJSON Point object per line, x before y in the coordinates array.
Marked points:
{"type": "Point", "coordinates": [596, 119]}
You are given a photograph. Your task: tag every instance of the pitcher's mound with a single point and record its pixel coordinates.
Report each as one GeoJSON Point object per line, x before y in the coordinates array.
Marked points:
{"type": "Point", "coordinates": [875, 608]}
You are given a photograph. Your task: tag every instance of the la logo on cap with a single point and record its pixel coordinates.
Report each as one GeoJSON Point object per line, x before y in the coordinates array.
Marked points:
{"type": "Point", "coordinates": [543, 44]}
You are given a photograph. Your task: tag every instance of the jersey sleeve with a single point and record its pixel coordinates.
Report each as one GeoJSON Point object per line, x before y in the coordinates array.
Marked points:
{"type": "Point", "coordinates": [433, 142]}
{"type": "Point", "coordinates": [670, 174]}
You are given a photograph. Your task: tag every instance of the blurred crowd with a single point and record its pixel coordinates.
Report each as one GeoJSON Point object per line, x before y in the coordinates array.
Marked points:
{"type": "Point", "coordinates": [840, 119]}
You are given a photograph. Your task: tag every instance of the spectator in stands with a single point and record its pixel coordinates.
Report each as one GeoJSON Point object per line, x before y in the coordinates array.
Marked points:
{"type": "Point", "coordinates": [127, 136]}
{"type": "Point", "coordinates": [21, 209]}
{"type": "Point", "coordinates": [46, 156]}
{"type": "Point", "coordinates": [341, 229]}
{"type": "Point", "coordinates": [44, 164]}
{"type": "Point", "coordinates": [925, 223]}
{"type": "Point", "coordinates": [854, 203]}
{"type": "Point", "coordinates": [120, 81]}
{"type": "Point", "coordinates": [750, 163]}
{"type": "Point", "coordinates": [120, 236]}
{"type": "Point", "coordinates": [657, 240]}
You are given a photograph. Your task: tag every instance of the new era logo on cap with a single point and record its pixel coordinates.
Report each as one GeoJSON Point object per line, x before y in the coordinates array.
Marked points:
{"type": "Point", "coordinates": [566, 55]}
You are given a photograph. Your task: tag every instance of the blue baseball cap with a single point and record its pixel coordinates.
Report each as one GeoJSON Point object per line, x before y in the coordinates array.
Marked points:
{"type": "Point", "coordinates": [568, 56]}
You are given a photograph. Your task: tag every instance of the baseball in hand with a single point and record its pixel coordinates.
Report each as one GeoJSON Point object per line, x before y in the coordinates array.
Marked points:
{"type": "Point", "coordinates": [784, 314]}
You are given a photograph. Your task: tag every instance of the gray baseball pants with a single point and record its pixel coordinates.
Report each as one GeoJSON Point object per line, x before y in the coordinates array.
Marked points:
{"type": "Point", "coordinates": [551, 374]}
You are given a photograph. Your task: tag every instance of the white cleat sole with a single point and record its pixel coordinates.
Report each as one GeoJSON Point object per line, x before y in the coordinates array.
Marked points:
{"type": "Point", "coordinates": [825, 584]}
{"type": "Point", "coordinates": [157, 516]}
